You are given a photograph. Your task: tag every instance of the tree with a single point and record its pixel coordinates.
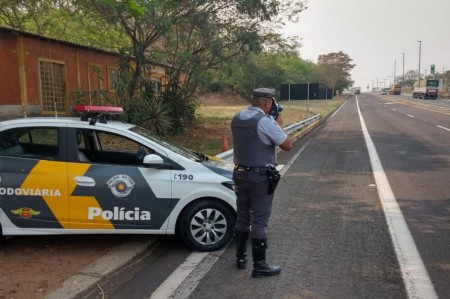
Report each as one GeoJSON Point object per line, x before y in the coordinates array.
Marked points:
{"type": "Point", "coordinates": [60, 19]}
{"type": "Point", "coordinates": [191, 37]}
{"type": "Point", "coordinates": [335, 69]}
{"type": "Point", "coordinates": [411, 77]}
{"type": "Point", "coordinates": [278, 63]}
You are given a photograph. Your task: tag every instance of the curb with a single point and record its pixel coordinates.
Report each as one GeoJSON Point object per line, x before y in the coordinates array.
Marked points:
{"type": "Point", "coordinates": [296, 136]}
{"type": "Point", "coordinates": [95, 272]}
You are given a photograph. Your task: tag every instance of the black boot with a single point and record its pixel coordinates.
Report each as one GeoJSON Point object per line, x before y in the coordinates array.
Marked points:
{"type": "Point", "coordinates": [241, 248]}
{"type": "Point", "coordinates": [260, 267]}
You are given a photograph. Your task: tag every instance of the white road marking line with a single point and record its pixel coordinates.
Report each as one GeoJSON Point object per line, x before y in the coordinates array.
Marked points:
{"type": "Point", "coordinates": [335, 112]}
{"type": "Point", "coordinates": [183, 281]}
{"type": "Point", "coordinates": [443, 127]}
{"type": "Point", "coordinates": [410, 115]}
{"type": "Point", "coordinates": [415, 276]}
{"type": "Point", "coordinates": [292, 160]}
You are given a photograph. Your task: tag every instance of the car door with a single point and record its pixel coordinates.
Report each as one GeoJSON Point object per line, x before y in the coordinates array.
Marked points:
{"type": "Point", "coordinates": [114, 190]}
{"type": "Point", "coordinates": [33, 178]}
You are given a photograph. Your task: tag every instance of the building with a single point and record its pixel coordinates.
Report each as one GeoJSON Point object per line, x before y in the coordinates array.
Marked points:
{"type": "Point", "coordinates": [43, 76]}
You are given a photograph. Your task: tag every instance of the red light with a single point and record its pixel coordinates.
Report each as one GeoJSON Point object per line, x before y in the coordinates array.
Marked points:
{"type": "Point", "coordinates": [98, 109]}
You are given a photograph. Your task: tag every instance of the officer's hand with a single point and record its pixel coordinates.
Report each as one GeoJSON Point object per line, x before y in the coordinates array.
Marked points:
{"type": "Point", "coordinates": [279, 120]}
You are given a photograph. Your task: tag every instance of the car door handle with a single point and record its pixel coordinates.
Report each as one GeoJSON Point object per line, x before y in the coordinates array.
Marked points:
{"type": "Point", "coordinates": [85, 181]}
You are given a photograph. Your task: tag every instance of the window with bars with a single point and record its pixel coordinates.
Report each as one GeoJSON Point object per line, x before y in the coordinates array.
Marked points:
{"type": "Point", "coordinates": [95, 77]}
{"type": "Point", "coordinates": [156, 81]}
{"type": "Point", "coordinates": [53, 86]}
{"type": "Point", "coordinates": [113, 79]}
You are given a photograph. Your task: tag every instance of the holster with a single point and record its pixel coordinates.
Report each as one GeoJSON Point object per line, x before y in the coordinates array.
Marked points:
{"type": "Point", "coordinates": [274, 177]}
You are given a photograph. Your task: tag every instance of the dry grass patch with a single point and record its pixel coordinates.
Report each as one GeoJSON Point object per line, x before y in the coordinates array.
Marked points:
{"type": "Point", "coordinates": [215, 113]}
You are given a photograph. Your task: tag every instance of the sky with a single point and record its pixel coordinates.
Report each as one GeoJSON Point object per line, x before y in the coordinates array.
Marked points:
{"type": "Point", "coordinates": [374, 34]}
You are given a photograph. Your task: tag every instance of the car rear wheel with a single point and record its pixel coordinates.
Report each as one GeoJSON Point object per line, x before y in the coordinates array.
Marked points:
{"type": "Point", "coordinates": [207, 225]}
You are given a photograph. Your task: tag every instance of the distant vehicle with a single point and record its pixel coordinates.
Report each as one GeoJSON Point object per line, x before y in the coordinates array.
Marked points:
{"type": "Point", "coordinates": [444, 92]}
{"type": "Point", "coordinates": [356, 90]}
{"type": "Point", "coordinates": [384, 91]}
{"type": "Point", "coordinates": [426, 89]}
{"type": "Point", "coordinates": [395, 89]}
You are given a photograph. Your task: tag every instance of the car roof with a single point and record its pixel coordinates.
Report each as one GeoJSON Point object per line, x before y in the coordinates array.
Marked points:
{"type": "Point", "coordinates": [66, 120]}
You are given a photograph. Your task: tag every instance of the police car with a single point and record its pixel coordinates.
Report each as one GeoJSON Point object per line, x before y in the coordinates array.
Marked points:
{"type": "Point", "coordinates": [91, 175]}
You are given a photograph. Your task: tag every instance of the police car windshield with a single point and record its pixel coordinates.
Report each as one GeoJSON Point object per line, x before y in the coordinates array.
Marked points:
{"type": "Point", "coordinates": [177, 149]}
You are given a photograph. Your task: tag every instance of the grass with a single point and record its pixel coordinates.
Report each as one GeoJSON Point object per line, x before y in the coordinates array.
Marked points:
{"type": "Point", "coordinates": [214, 117]}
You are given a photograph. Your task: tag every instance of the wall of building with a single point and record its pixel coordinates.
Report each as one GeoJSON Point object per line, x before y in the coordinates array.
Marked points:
{"type": "Point", "coordinates": [85, 70]}
{"type": "Point", "coordinates": [20, 86]}
{"type": "Point", "coordinates": [9, 76]}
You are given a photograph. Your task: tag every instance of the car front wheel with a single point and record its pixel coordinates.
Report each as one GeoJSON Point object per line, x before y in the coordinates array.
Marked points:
{"type": "Point", "coordinates": [2, 237]}
{"type": "Point", "coordinates": [207, 225]}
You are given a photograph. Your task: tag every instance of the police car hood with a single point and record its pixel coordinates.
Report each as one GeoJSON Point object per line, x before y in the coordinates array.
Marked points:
{"type": "Point", "coordinates": [219, 166]}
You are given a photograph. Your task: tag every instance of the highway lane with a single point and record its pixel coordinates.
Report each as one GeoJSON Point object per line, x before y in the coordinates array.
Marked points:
{"type": "Point", "coordinates": [414, 147]}
{"type": "Point", "coordinates": [328, 230]}
{"type": "Point", "coordinates": [442, 105]}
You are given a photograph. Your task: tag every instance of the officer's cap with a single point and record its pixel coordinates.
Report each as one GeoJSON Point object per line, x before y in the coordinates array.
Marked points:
{"type": "Point", "coordinates": [264, 92]}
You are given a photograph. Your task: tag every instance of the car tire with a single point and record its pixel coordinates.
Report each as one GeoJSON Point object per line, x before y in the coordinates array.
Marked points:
{"type": "Point", "coordinates": [207, 225]}
{"type": "Point", "coordinates": [2, 237]}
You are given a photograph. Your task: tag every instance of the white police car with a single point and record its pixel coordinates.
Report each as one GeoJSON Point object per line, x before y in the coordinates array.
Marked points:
{"type": "Point", "coordinates": [92, 176]}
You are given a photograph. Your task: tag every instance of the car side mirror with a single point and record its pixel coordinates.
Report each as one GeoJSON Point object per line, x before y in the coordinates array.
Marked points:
{"type": "Point", "coordinates": [155, 161]}
{"type": "Point", "coordinates": [152, 159]}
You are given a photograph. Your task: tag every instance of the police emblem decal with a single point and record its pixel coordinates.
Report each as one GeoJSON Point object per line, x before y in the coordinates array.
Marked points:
{"type": "Point", "coordinates": [121, 185]}
{"type": "Point", "coordinates": [25, 212]}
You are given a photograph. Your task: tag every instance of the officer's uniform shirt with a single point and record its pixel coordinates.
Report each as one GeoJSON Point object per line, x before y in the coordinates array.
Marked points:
{"type": "Point", "coordinates": [268, 130]}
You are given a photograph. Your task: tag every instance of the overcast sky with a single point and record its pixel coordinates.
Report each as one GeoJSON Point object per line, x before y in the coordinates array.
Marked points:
{"type": "Point", "coordinates": [375, 33]}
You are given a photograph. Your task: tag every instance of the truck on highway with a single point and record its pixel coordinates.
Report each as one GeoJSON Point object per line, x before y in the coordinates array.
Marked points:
{"type": "Point", "coordinates": [395, 89]}
{"type": "Point", "coordinates": [356, 90]}
{"type": "Point", "coordinates": [426, 89]}
{"type": "Point", "coordinates": [444, 92]}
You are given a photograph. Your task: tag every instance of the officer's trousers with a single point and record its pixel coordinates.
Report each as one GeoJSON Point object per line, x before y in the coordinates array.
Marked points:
{"type": "Point", "coordinates": [254, 205]}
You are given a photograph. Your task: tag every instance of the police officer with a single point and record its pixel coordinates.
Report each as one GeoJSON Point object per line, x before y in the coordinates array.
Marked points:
{"type": "Point", "coordinates": [256, 135]}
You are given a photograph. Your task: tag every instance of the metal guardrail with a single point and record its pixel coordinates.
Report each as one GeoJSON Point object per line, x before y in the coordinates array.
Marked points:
{"type": "Point", "coordinates": [297, 126]}
{"type": "Point", "coordinates": [289, 130]}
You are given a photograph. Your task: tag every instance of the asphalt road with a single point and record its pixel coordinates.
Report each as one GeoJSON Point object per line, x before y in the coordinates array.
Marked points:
{"type": "Point", "coordinates": [331, 230]}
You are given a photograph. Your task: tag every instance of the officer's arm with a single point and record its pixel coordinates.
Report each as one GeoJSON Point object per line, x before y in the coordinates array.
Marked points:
{"type": "Point", "coordinates": [287, 144]}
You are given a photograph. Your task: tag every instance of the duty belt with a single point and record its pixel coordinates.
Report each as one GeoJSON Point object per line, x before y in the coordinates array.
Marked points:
{"type": "Point", "coordinates": [260, 170]}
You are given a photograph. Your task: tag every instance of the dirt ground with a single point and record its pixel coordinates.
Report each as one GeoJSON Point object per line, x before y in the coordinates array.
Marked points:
{"type": "Point", "coordinates": [34, 266]}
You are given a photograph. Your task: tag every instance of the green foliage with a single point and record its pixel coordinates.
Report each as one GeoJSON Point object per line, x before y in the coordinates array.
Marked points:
{"type": "Point", "coordinates": [335, 69]}
{"type": "Point", "coordinates": [69, 20]}
{"type": "Point", "coordinates": [214, 44]}
{"type": "Point", "coordinates": [411, 77]}
{"type": "Point", "coordinates": [94, 97]}
{"type": "Point", "coordinates": [181, 109]}
{"type": "Point", "coordinates": [265, 69]}
{"type": "Point", "coordinates": [142, 105]}
{"type": "Point", "coordinates": [152, 114]}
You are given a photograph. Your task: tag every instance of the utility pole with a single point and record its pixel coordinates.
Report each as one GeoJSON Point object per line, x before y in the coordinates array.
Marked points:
{"type": "Point", "coordinates": [395, 69]}
{"type": "Point", "coordinates": [403, 77]}
{"type": "Point", "coordinates": [420, 54]}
